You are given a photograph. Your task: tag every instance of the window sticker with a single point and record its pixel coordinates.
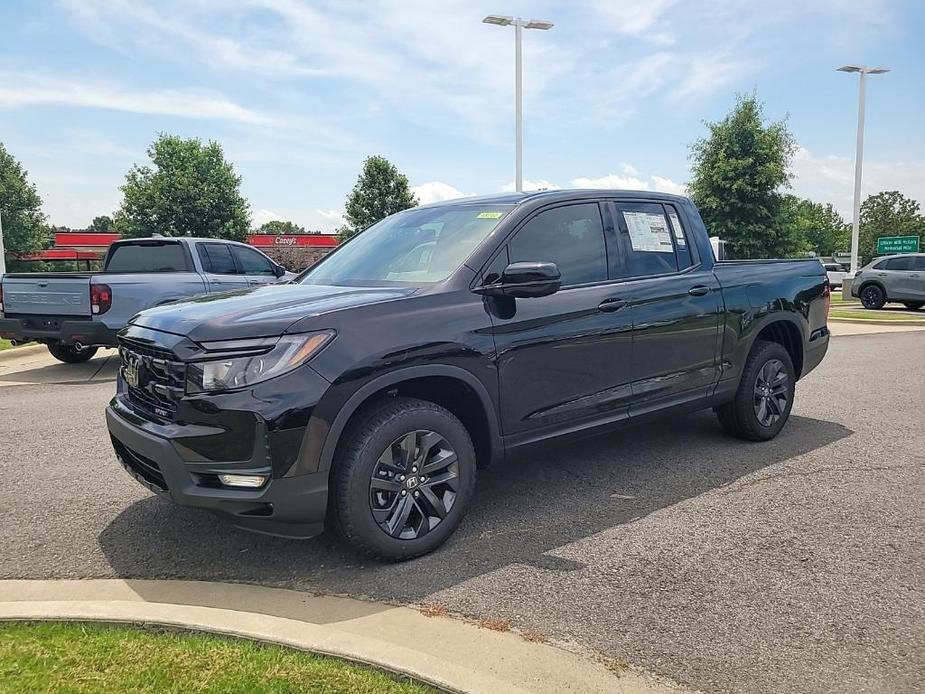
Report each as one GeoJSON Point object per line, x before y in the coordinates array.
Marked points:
{"type": "Point", "coordinates": [678, 232]}
{"type": "Point", "coordinates": [489, 215]}
{"type": "Point", "coordinates": [648, 232]}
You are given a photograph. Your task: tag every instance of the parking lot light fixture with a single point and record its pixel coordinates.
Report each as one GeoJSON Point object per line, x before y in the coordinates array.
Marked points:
{"type": "Point", "coordinates": [863, 71]}
{"type": "Point", "coordinates": [518, 24]}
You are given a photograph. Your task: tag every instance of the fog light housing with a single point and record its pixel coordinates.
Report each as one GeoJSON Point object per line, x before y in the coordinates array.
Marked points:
{"type": "Point", "coordinates": [249, 481]}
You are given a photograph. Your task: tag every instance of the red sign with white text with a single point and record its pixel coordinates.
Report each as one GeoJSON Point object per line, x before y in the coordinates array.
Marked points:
{"type": "Point", "coordinates": [293, 240]}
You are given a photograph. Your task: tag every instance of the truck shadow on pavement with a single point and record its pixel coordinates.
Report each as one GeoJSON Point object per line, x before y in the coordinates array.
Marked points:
{"type": "Point", "coordinates": [99, 369]}
{"type": "Point", "coordinates": [521, 511]}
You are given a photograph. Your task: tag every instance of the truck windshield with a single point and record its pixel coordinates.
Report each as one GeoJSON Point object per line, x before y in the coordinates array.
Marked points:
{"type": "Point", "coordinates": [146, 256]}
{"type": "Point", "coordinates": [416, 246]}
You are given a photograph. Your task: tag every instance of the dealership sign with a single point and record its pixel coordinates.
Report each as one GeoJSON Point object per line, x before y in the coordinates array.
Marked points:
{"type": "Point", "coordinates": [887, 245]}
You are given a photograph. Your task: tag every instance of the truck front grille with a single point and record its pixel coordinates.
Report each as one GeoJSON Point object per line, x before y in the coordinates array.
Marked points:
{"type": "Point", "coordinates": [155, 378]}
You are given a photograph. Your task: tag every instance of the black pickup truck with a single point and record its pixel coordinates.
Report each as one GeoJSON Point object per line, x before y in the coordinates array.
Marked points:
{"type": "Point", "coordinates": [368, 391]}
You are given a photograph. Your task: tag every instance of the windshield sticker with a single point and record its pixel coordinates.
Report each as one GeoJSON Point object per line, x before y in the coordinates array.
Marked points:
{"type": "Point", "coordinates": [489, 215]}
{"type": "Point", "coordinates": [648, 232]}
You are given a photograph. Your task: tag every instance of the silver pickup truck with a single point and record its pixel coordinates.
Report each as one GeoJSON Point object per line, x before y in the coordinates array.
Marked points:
{"type": "Point", "coordinates": [74, 313]}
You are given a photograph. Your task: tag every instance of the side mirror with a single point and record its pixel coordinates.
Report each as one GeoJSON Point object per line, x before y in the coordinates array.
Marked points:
{"type": "Point", "coordinates": [525, 280]}
{"type": "Point", "coordinates": [279, 270]}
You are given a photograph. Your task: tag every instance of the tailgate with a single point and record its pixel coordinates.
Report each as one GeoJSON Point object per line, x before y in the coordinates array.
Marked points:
{"type": "Point", "coordinates": [47, 295]}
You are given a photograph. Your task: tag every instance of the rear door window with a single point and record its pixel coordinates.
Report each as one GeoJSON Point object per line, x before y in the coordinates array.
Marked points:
{"type": "Point", "coordinates": [683, 249]}
{"type": "Point", "coordinates": [219, 257]}
{"type": "Point", "coordinates": [649, 240]}
{"type": "Point", "coordinates": [919, 262]}
{"type": "Point", "coordinates": [147, 257]}
{"type": "Point", "coordinates": [899, 263]}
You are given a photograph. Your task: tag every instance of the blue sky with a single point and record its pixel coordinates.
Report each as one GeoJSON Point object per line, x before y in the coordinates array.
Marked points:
{"type": "Point", "coordinates": [299, 93]}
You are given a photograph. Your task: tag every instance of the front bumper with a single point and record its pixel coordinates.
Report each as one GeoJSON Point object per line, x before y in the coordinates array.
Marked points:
{"type": "Point", "coordinates": [57, 330]}
{"type": "Point", "coordinates": [286, 506]}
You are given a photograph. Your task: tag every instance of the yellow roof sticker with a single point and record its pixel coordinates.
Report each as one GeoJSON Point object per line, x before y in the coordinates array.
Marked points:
{"type": "Point", "coordinates": [489, 215]}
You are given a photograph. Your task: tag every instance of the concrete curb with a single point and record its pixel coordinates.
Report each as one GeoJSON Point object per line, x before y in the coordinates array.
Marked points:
{"type": "Point", "coordinates": [24, 351]}
{"type": "Point", "coordinates": [874, 321]}
{"type": "Point", "coordinates": [447, 653]}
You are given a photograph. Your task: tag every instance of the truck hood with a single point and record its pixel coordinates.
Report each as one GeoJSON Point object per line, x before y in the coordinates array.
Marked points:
{"type": "Point", "coordinates": [266, 311]}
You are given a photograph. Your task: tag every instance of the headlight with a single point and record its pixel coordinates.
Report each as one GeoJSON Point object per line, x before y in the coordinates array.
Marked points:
{"type": "Point", "coordinates": [234, 371]}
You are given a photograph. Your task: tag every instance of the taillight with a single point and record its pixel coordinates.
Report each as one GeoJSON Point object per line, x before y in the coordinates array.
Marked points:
{"type": "Point", "coordinates": [1, 297]}
{"type": "Point", "coordinates": [100, 298]}
{"type": "Point", "coordinates": [827, 296]}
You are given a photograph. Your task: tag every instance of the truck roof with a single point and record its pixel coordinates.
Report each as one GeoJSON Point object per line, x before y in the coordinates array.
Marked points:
{"type": "Point", "coordinates": [558, 194]}
{"type": "Point", "coordinates": [182, 239]}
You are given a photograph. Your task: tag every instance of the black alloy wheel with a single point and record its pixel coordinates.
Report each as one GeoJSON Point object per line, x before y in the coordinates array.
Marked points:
{"type": "Point", "coordinates": [414, 484]}
{"type": "Point", "coordinates": [771, 392]}
{"type": "Point", "coordinates": [402, 479]}
{"type": "Point", "coordinates": [872, 297]}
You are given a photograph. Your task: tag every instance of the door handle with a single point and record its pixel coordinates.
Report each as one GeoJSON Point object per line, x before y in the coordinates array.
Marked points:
{"type": "Point", "coordinates": [611, 305]}
{"type": "Point", "coordinates": [699, 290]}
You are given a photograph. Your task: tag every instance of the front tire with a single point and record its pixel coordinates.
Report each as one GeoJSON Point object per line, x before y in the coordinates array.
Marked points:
{"type": "Point", "coordinates": [872, 297]}
{"type": "Point", "coordinates": [764, 397]}
{"type": "Point", "coordinates": [69, 354]}
{"type": "Point", "coordinates": [403, 478]}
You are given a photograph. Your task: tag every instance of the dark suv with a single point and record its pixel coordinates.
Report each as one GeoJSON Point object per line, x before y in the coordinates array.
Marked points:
{"type": "Point", "coordinates": [369, 390]}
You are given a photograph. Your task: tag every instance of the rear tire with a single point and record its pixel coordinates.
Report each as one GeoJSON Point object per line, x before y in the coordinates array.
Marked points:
{"type": "Point", "coordinates": [914, 305]}
{"type": "Point", "coordinates": [764, 397]}
{"type": "Point", "coordinates": [403, 477]}
{"type": "Point", "coordinates": [69, 354]}
{"type": "Point", "coordinates": [872, 297]}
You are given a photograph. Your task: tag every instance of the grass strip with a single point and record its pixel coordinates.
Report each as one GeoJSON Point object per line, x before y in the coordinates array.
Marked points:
{"type": "Point", "coordinates": [78, 658]}
{"type": "Point", "coordinates": [861, 315]}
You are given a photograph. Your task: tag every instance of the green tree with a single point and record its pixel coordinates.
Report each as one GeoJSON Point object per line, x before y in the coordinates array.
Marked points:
{"type": "Point", "coordinates": [24, 229]}
{"type": "Point", "coordinates": [738, 172]}
{"type": "Point", "coordinates": [276, 226]}
{"type": "Point", "coordinates": [380, 190]}
{"type": "Point", "coordinates": [889, 213]}
{"type": "Point", "coordinates": [818, 225]}
{"type": "Point", "coordinates": [189, 188]}
{"type": "Point", "coordinates": [101, 223]}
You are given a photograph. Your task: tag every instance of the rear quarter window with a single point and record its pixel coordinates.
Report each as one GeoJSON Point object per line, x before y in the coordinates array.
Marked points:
{"type": "Point", "coordinates": [147, 257]}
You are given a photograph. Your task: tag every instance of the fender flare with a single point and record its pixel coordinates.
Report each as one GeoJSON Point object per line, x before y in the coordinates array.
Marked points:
{"type": "Point", "coordinates": [779, 317]}
{"type": "Point", "coordinates": [355, 401]}
{"type": "Point", "coordinates": [878, 283]}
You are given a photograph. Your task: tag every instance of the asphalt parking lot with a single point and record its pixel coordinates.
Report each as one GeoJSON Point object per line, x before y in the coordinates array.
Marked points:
{"type": "Point", "coordinates": [795, 565]}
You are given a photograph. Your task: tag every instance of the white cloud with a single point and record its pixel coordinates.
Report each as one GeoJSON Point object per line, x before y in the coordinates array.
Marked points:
{"type": "Point", "coordinates": [610, 181]}
{"type": "Point", "coordinates": [436, 191]}
{"type": "Point", "coordinates": [666, 185]}
{"type": "Point", "coordinates": [421, 60]}
{"type": "Point", "coordinates": [830, 178]}
{"type": "Point", "coordinates": [616, 181]}
{"type": "Point", "coordinates": [636, 18]}
{"type": "Point", "coordinates": [708, 73]}
{"type": "Point", "coordinates": [539, 184]}
{"type": "Point", "coordinates": [336, 217]}
{"type": "Point", "coordinates": [261, 217]}
{"type": "Point", "coordinates": [29, 89]}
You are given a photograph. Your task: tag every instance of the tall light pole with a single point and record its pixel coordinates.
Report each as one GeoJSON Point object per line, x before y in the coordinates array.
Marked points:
{"type": "Point", "coordinates": [518, 24]}
{"type": "Point", "coordinates": [859, 155]}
